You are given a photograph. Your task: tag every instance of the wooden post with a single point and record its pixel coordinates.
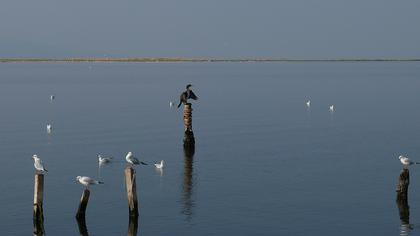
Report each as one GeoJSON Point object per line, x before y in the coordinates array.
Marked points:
{"type": "Point", "coordinates": [189, 140]}
{"type": "Point", "coordinates": [38, 211]}
{"type": "Point", "coordinates": [402, 199]}
{"type": "Point", "coordinates": [83, 204]}
{"type": "Point", "coordinates": [130, 184]}
{"type": "Point", "coordinates": [132, 225]}
{"type": "Point", "coordinates": [403, 182]}
{"type": "Point", "coordinates": [188, 117]}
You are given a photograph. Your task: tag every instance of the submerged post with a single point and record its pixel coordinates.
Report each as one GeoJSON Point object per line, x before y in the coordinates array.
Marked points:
{"type": "Point", "coordinates": [188, 132]}
{"type": "Point", "coordinates": [130, 184]}
{"type": "Point", "coordinates": [38, 211]}
{"type": "Point", "coordinates": [83, 204]}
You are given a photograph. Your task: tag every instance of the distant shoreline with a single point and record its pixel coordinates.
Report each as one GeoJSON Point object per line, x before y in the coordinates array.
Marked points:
{"type": "Point", "coordinates": [168, 59]}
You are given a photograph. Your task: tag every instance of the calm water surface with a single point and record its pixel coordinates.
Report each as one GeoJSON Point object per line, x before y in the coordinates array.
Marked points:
{"type": "Point", "coordinates": [264, 164]}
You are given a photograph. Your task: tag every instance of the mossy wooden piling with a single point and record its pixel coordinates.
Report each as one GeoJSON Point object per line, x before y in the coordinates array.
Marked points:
{"type": "Point", "coordinates": [130, 185]}
{"type": "Point", "coordinates": [84, 200]}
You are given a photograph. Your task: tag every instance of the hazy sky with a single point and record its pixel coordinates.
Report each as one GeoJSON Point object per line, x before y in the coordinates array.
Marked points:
{"type": "Point", "coordinates": [212, 28]}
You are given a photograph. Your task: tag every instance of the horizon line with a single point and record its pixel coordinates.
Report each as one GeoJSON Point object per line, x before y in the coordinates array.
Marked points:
{"type": "Point", "coordinates": [192, 59]}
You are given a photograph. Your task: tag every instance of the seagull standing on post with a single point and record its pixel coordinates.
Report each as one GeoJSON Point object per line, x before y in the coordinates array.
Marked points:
{"type": "Point", "coordinates": [187, 94]}
{"type": "Point", "coordinates": [86, 181]}
{"type": "Point", "coordinates": [406, 161]}
{"type": "Point", "coordinates": [132, 160]}
{"type": "Point", "coordinates": [38, 164]}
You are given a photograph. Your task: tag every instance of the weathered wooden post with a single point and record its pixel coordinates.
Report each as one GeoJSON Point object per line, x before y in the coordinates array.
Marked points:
{"type": "Point", "coordinates": [84, 200]}
{"type": "Point", "coordinates": [403, 182]}
{"type": "Point", "coordinates": [38, 211]}
{"type": "Point", "coordinates": [130, 185]}
{"type": "Point", "coordinates": [188, 132]}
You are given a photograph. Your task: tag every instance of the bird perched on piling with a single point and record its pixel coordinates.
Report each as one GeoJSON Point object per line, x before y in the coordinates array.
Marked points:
{"type": "Point", "coordinates": [86, 181]}
{"type": "Point", "coordinates": [104, 160]}
{"type": "Point", "coordinates": [38, 164]}
{"type": "Point", "coordinates": [187, 94]}
{"type": "Point", "coordinates": [160, 164]}
{"type": "Point", "coordinates": [406, 161]}
{"type": "Point", "coordinates": [132, 160]}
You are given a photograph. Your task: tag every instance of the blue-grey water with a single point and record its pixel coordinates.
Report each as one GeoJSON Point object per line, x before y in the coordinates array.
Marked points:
{"type": "Point", "coordinates": [264, 164]}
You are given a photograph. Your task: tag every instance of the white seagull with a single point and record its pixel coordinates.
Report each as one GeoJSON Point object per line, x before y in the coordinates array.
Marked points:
{"type": "Point", "coordinates": [49, 128]}
{"type": "Point", "coordinates": [132, 160]}
{"type": "Point", "coordinates": [104, 160]}
{"type": "Point", "coordinates": [38, 164]}
{"type": "Point", "coordinates": [332, 108]}
{"type": "Point", "coordinates": [406, 161]}
{"type": "Point", "coordinates": [160, 165]}
{"type": "Point", "coordinates": [308, 103]}
{"type": "Point", "coordinates": [171, 104]}
{"type": "Point", "coordinates": [52, 97]}
{"type": "Point", "coordinates": [86, 181]}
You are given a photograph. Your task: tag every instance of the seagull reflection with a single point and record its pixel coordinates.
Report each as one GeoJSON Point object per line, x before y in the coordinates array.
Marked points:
{"type": "Point", "coordinates": [188, 183]}
{"type": "Point", "coordinates": [402, 202]}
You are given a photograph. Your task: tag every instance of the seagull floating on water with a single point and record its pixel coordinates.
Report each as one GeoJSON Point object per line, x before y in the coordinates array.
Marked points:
{"type": "Point", "coordinates": [38, 164]}
{"type": "Point", "coordinates": [171, 104]}
{"type": "Point", "coordinates": [86, 181]}
{"type": "Point", "coordinates": [332, 108]}
{"type": "Point", "coordinates": [104, 160]}
{"type": "Point", "coordinates": [308, 103]}
{"type": "Point", "coordinates": [406, 161]}
{"type": "Point", "coordinates": [49, 128]}
{"type": "Point", "coordinates": [160, 165]}
{"type": "Point", "coordinates": [132, 160]}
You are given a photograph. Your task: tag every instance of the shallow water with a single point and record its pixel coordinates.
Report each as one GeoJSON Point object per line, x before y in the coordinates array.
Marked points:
{"type": "Point", "coordinates": [264, 164]}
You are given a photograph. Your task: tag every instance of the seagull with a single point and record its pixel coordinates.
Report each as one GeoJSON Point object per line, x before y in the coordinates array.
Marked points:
{"type": "Point", "coordinates": [187, 94]}
{"type": "Point", "coordinates": [171, 104]}
{"type": "Point", "coordinates": [308, 103]}
{"type": "Point", "coordinates": [52, 97]}
{"type": "Point", "coordinates": [406, 161]}
{"type": "Point", "coordinates": [86, 181]}
{"type": "Point", "coordinates": [104, 160]}
{"type": "Point", "coordinates": [332, 108]}
{"type": "Point", "coordinates": [160, 165]}
{"type": "Point", "coordinates": [132, 160]}
{"type": "Point", "coordinates": [38, 164]}
{"type": "Point", "coordinates": [49, 128]}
